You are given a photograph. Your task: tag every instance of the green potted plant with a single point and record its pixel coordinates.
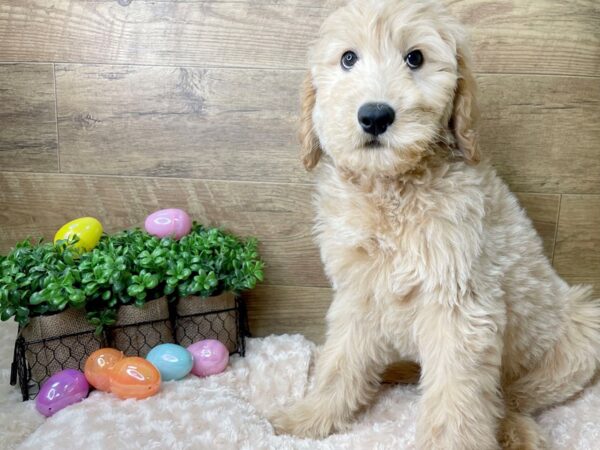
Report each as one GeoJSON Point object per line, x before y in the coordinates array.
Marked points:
{"type": "Point", "coordinates": [40, 287]}
{"type": "Point", "coordinates": [123, 278]}
{"type": "Point", "coordinates": [209, 270]}
{"type": "Point", "coordinates": [145, 322]}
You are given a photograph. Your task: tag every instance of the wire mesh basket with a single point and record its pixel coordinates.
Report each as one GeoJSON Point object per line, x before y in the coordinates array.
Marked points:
{"type": "Point", "coordinates": [222, 317]}
{"type": "Point", "coordinates": [50, 344]}
{"type": "Point", "coordinates": [139, 330]}
{"type": "Point", "coordinates": [38, 356]}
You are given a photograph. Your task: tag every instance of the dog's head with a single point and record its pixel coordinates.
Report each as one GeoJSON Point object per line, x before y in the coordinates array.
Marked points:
{"type": "Point", "coordinates": [388, 80]}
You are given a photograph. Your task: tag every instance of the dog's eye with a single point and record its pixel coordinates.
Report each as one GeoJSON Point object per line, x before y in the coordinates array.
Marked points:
{"type": "Point", "coordinates": [414, 59]}
{"type": "Point", "coordinates": [348, 60]}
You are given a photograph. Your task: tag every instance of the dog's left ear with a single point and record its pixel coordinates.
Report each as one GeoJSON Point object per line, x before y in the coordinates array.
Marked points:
{"type": "Point", "coordinates": [311, 148]}
{"type": "Point", "coordinates": [465, 112]}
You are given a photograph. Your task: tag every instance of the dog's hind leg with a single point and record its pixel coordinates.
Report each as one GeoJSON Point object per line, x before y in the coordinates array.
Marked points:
{"type": "Point", "coordinates": [520, 432]}
{"type": "Point", "coordinates": [569, 365]}
{"type": "Point", "coordinates": [563, 372]}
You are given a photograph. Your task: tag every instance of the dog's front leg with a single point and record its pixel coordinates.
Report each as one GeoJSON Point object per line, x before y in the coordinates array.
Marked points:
{"type": "Point", "coordinates": [347, 372]}
{"type": "Point", "coordinates": [460, 348]}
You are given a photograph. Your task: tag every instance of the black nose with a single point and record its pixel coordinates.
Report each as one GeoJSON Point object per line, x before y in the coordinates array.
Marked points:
{"type": "Point", "coordinates": [374, 118]}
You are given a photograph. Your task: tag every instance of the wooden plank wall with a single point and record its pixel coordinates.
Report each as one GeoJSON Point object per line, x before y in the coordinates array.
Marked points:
{"type": "Point", "coordinates": [114, 111]}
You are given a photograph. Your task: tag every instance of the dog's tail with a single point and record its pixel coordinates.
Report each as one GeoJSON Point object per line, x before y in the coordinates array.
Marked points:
{"type": "Point", "coordinates": [584, 312]}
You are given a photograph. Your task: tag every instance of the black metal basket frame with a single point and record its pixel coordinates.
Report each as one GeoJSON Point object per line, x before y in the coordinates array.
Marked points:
{"type": "Point", "coordinates": [242, 327]}
{"type": "Point", "coordinates": [21, 370]}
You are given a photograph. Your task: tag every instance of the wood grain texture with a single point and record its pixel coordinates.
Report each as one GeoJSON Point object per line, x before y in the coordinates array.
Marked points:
{"type": "Point", "coordinates": [240, 124]}
{"type": "Point", "coordinates": [405, 372]}
{"type": "Point", "coordinates": [27, 118]}
{"type": "Point", "coordinates": [542, 36]}
{"type": "Point", "coordinates": [542, 132]}
{"type": "Point", "coordinates": [577, 252]}
{"type": "Point", "coordinates": [224, 34]}
{"type": "Point", "coordinates": [279, 215]}
{"type": "Point", "coordinates": [179, 122]}
{"type": "Point", "coordinates": [287, 309]}
{"type": "Point", "coordinates": [542, 209]}
{"type": "Point", "coordinates": [533, 36]}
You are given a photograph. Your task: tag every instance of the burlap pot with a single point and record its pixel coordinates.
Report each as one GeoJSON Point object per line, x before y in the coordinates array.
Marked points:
{"type": "Point", "coordinates": [56, 342]}
{"type": "Point", "coordinates": [138, 330]}
{"type": "Point", "coordinates": [201, 318]}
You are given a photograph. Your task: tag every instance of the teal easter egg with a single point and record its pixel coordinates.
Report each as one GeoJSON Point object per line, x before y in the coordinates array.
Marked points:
{"type": "Point", "coordinates": [172, 361]}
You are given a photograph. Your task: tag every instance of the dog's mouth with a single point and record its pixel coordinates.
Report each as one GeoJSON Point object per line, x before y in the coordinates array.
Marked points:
{"type": "Point", "coordinates": [373, 143]}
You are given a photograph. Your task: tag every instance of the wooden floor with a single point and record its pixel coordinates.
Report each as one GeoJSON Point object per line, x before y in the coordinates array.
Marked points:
{"type": "Point", "coordinates": [115, 111]}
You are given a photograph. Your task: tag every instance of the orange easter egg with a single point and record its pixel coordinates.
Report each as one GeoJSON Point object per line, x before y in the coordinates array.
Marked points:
{"type": "Point", "coordinates": [134, 377]}
{"type": "Point", "coordinates": [98, 366]}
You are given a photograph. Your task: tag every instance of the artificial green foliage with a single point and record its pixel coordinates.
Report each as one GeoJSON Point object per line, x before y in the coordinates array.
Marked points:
{"type": "Point", "coordinates": [129, 267]}
{"type": "Point", "coordinates": [105, 278]}
{"type": "Point", "coordinates": [39, 279]}
{"type": "Point", "coordinates": [210, 261]}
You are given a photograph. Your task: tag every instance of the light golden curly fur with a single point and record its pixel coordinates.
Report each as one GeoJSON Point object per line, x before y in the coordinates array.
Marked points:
{"type": "Point", "coordinates": [430, 256]}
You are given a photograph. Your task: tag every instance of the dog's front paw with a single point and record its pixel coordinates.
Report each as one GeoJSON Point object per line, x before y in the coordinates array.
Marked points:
{"type": "Point", "coordinates": [303, 420]}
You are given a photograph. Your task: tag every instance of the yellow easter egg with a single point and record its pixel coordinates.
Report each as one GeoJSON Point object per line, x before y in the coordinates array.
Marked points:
{"type": "Point", "coordinates": [88, 229]}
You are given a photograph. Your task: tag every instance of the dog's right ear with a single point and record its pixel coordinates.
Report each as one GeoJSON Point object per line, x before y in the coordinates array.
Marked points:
{"type": "Point", "coordinates": [311, 148]}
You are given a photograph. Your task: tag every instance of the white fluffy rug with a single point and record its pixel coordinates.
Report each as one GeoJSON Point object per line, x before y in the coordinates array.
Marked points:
{"type": "Point", "coordinates": [228, 411]}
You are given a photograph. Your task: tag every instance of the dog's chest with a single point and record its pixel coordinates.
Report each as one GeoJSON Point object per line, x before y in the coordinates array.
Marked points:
{"type": "Point", "coordinates": [373, 224]}
{"type": "Point", "coordinates": [368, 238]}
{"type": "Point", "coordinates": [393, 239]}
{"type": "Point", "coordinates": [363, 242]}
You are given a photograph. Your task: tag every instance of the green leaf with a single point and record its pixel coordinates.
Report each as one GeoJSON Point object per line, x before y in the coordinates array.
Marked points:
{"type": "Point", "coordinates": [7, 313]}
{"type": "Point", "coordinates": [22, 312]}
{"type": "Point", "coordinates": [152, 281]}
{"type": "Point", "coordinates": [36, 298]}
{"type": "Point", "coordinates": [68, 257]}
{"type": "Point", "coordinates": [135, 289]}
{"type": "Point", "coordinates": [185, 273]}
{"type": "Point", "coordinates": [169, 289]}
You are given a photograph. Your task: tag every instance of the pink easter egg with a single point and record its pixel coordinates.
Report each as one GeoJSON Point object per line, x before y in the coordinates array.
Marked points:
{"type": "Point", "coordinates": [210, 357]}
{"type": "Point", "coordinates": [168, 222]}
{"type": "Point", "coordinates": [61, 390]}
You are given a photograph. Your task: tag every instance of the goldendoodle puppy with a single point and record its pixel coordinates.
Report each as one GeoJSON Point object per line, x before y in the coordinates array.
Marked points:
{"type": "Point", "coordinates": [430, 256]}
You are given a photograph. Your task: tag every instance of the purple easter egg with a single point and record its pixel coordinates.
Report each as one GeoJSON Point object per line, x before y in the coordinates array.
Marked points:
{"type": "Point", "coordinates": [61, 390]}
{"type": "Point", "coordinates": [210, 357]}
{"type": "Point", "coordinates": [168, 222]}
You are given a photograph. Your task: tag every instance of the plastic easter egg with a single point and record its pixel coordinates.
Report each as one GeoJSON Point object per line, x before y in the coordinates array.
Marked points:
{"type": "Point", "coordinates": [88, 229]}
{"type": "Point", "coordinates": [210, 357]}
{"type": "Point", "coordinates": [168, 222]}
{"type": "Point", "coordinates": [61, 390]}
{"type": "Point", "coordinates": [172, 361]}
{"type": "Point", "coordinates": [134, 377]}
{"type": "Point", "coordinates": [98, 366]}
